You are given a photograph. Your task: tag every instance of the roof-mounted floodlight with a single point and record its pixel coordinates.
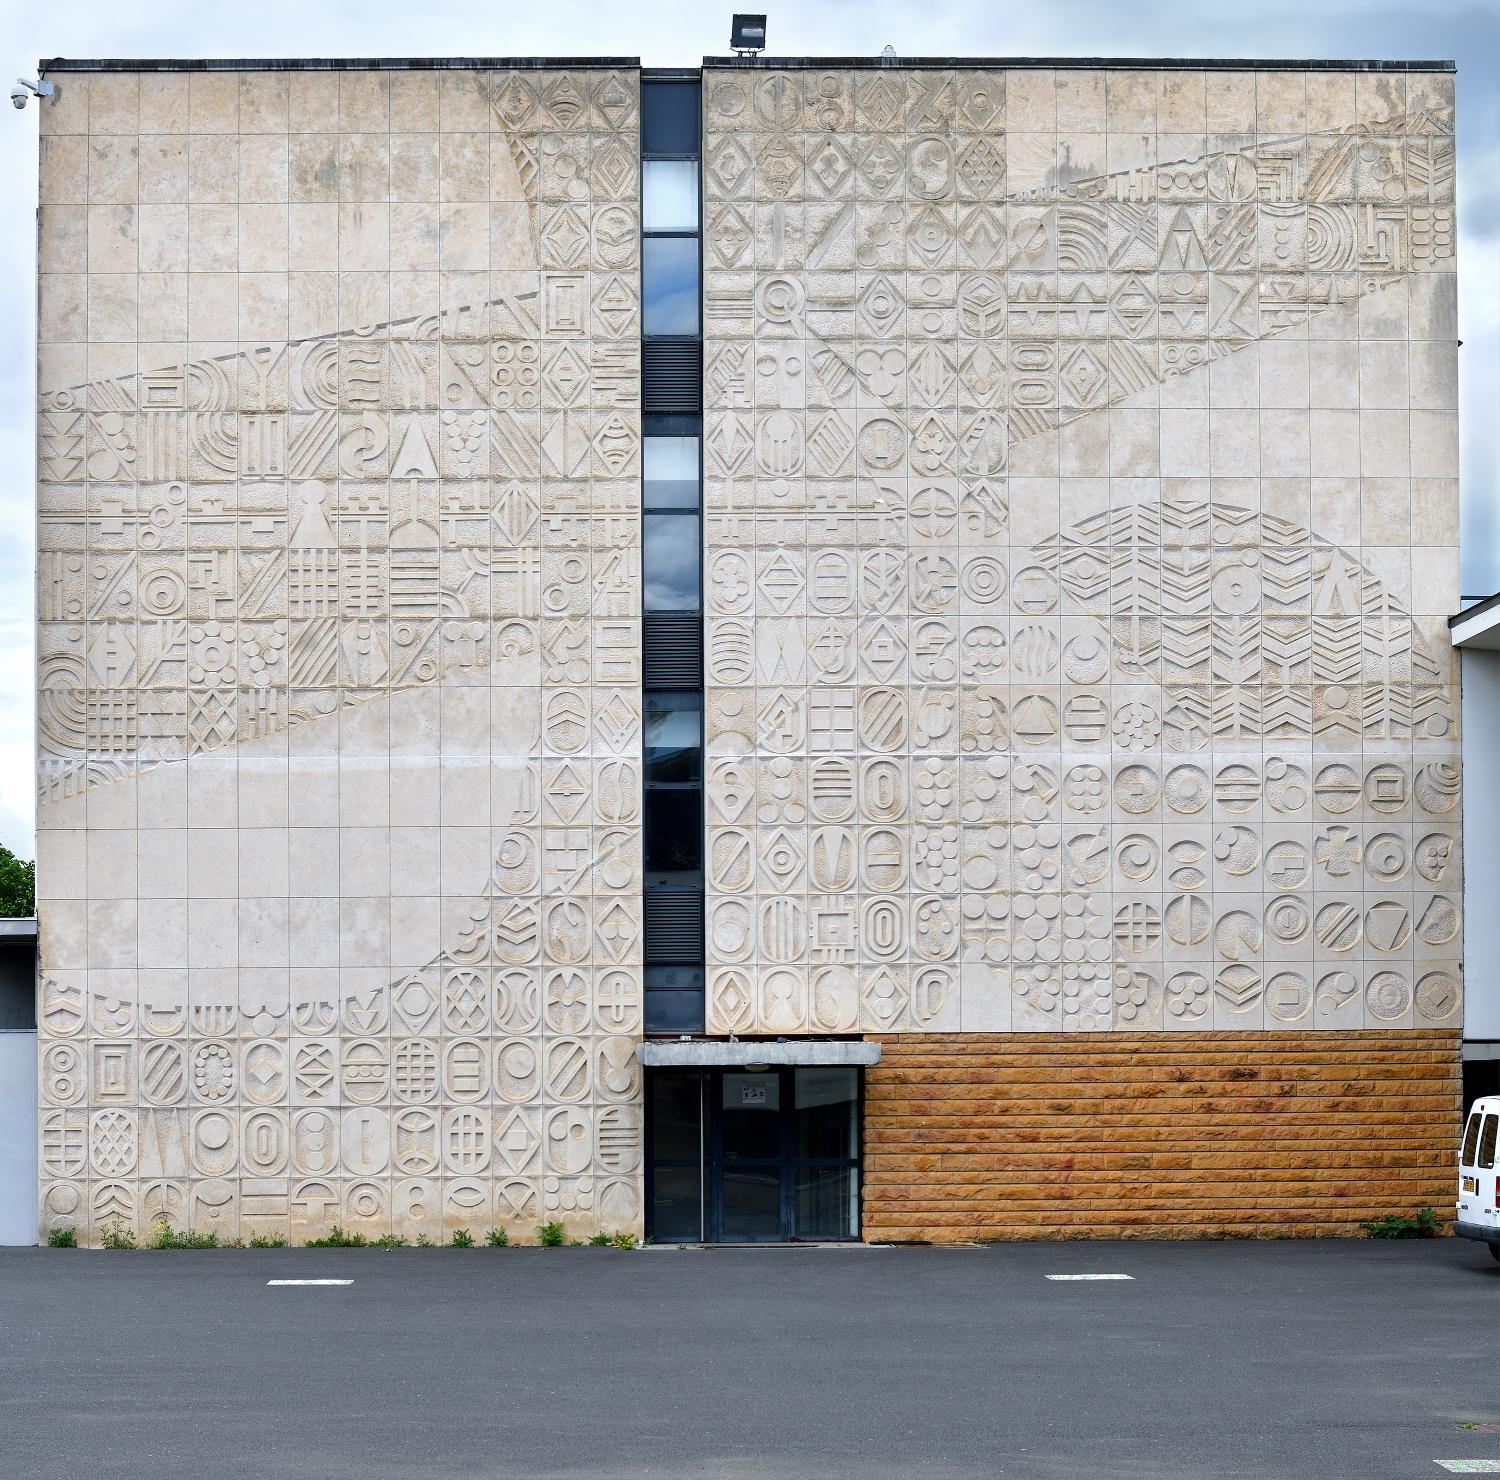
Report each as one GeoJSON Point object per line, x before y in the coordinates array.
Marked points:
{"type": "Point", "coordinates": [21, 93]}
{"type": "Point", "coordinates": [747, 34]}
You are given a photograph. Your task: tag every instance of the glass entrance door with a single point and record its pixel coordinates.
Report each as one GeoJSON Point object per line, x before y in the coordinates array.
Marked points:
{"type": "Point", "coordinates": [739, 1156]}
{"type": "Point", "coordinates": [825, 1154]}
{"type": "Point", "coordinates": [751, 1160]}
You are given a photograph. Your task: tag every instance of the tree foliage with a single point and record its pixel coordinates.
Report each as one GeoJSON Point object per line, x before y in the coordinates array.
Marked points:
{"type": "Point", "coordinates": [17, 885]}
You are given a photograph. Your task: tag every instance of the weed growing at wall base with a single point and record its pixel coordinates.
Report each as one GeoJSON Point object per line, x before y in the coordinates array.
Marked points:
{"type": "Point", "coordinates": [117, 1234]}
{"type": "Point", "coordinates": [167, 1237]}
{"type": "Point", "coordinates": [1394, 1225]}
{"type": "Point", "coordinates": [338, 1239]}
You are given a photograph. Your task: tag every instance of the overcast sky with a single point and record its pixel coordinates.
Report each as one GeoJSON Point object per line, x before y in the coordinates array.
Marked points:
{"type": "Point", "coordinates": [1467, 31]}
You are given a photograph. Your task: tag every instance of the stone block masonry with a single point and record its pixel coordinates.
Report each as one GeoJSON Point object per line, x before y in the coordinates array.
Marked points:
{"type": "Point", "coordinates": [1179, 1135]}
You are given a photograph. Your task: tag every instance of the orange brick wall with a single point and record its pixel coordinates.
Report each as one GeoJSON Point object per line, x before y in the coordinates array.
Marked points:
{"type": "Point", "coordinates": [1156, 1135]}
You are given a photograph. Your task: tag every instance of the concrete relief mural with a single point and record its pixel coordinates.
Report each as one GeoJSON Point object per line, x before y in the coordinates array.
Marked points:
{"type": "Point", "coordinates": [339, 667]}
{"type": "Point", "coordinates": [1080, 457]}
{"type": "Point", "coordinates": [1080, 483]}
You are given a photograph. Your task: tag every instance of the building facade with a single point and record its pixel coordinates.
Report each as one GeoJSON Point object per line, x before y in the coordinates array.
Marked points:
{"type": "Point", "coordinates": [798, 650]}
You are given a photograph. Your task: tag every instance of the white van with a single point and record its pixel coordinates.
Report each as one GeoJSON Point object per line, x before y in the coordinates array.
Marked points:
{"type": "Point", "coordinates": [1478, 1179]}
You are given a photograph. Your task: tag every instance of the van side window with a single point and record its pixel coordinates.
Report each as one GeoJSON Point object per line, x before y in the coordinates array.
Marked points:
{"type": "Point", "coordinates": [1487, 1142]}
{"type": "Point", "coordinates": [1471, 1139]}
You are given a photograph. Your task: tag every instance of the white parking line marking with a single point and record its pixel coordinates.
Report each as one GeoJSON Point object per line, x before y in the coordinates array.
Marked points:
{"type": "Point", "coordinates": [1090, 1276]}
{"type": "Point", "coordinates": [1469, 1466]}
{"type": "Point", "coordinates": [309, 1282]}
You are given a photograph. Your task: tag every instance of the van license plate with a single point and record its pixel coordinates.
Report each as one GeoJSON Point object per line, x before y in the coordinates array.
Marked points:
{"type": "Point", "coordinates": [1471, 1184]}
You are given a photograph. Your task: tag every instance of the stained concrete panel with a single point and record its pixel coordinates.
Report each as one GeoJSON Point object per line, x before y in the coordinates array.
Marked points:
{"type": "Point", "coordinates": [339, 709]}
{"type": "Point", "coordinates": [1081, 464]}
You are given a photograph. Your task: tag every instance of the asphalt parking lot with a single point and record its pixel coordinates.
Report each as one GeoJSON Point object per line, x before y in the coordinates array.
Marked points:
{"type": "Point", "coordinates": [1328, 1359]}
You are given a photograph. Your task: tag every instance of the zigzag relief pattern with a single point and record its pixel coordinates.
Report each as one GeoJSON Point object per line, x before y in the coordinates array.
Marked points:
{"type": "Point", "coordinates": [1283, 634]}
{"type": "Point", "coordinates": [1182, 764]}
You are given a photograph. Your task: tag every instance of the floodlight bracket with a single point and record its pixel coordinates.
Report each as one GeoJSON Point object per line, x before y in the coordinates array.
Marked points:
{"type": "Point", "coordinates": [747, 35]}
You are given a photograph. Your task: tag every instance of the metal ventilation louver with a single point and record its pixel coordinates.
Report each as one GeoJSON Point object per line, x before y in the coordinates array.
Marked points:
{"type": "Point", "coordinates": [671, 377]}
{"type": "Point", "coordinates": [672, 644]}
{"type": "Point", "coordinates": [674, 927]}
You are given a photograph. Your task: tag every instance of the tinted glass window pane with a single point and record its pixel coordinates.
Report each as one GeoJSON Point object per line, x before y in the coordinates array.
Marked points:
{"type": "Point", "coordinates": [672, 744]}
{"type": "Point", "coordinates": [669, 559]}
{"type": "Point", "coordinates": [1471, 1140]}
{"type": "Point", "coordinates": [675, 1101]}
{"type": "Point", "coordinates": [676, 1206]}
{"type": "Point", "coordinates": [752, 1203]}
{"type": "Point", "coordinates": [669, 195]}
{"type": "Point", "coordinates": [752, 1115]}
{"type": "Point", "coordinates": [17, 992]}
{"type": "Point", "coordinates": [674, 831]}
{"type": "Point", "coordinates": [825, 1202]}
{"type": "Point", "coordinates": [674, 1010]}
{"type": "Point", "coordinates": [669, 285]}
{"type": "Point", "coordinates": [674, 978]}
{"type": "Point", "coordinates": [1487, 1142]}
{"type": "Point", "coordinates": [826, 1122]}
{"type": "Point", "coordinates": [671, 472]}
{"type": "Point", "coordinates": [669, 118]}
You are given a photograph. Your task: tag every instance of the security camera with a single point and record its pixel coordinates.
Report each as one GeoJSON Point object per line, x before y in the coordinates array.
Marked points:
{"type": "Point", "coordinates": [21, 93]}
